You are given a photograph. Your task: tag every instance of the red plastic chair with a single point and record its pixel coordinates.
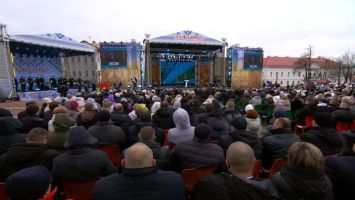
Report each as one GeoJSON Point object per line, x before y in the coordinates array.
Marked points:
{"type": "Point", "coordinates": [300, 129]}
{"type": "Point", "coordinates": [257, 168]}
{"type": "Point", "coordinates": [3, 195]}
{"type": "Point", "coordinates": [353, 125]}
{"type": "Point", "coordinates": [166, 131]}
{"type": "Point", "coordinates": [50, 195]}
{"type": "Point", "coordinates": [342, 126]}
{"type": "Point", "coordinates": [79, 190]}
{"type": "Point", "coordinates": [276, 167]}
{"type": "Point", "coordinates": [191, 176]}
{"type": "Point", "coordinates": [113, 153]}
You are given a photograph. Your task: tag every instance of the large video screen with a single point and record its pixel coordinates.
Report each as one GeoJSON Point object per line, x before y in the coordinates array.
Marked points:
{"type": "Point", "coordinates": [253, 60]}
{"type": "Point", "coordinates": [113, 57]}
{"type": "Point", "coordinates": [175, 73]}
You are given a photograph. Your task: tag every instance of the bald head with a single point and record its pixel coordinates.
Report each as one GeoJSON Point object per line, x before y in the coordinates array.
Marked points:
{"type": "Point", "coordinates": [118, 107]}
{"type": "Point", "coordinates": [240, 158]}
{"type": "Point", "coordinates": [138, 155]}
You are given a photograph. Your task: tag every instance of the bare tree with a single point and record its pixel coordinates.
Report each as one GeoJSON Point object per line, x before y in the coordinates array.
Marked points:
{"type": "Point", "coordinates": [348, 63]}
{"type": "Point", "coordinates": [305, 62]}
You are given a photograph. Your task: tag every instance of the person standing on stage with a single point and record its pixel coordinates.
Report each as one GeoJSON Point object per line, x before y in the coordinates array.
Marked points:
{"type": "Point", "coordinates": [134, 82]}
{"type": "Point", "coordinates": [79, 84]}
{"type": "Point", "coordinates": [53, 82]}
{"type": "Point", "coordinates": [23, 84]}
{"type": "Point", "coordinates": [41, 83]}
{"type": "Point", "coordinates": [38, 82]}
{"type": "Point", "coordinates": [16, 84]}
{"type": "Point", "coordinates": [30, 83]}
{"type": "Point", "coordinates": [71, 82]}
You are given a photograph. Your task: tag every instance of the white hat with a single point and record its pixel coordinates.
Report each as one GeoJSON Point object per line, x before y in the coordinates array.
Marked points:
{"type": "Point", "coordinates": [249, 107]}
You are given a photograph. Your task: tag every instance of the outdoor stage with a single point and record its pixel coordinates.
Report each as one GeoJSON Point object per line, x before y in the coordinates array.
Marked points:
{"type": "Point", "coordinates": [40, 95]}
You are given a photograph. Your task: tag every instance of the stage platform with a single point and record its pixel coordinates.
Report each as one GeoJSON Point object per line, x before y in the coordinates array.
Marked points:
{"type": "Point", "coordinates": [39, 95]}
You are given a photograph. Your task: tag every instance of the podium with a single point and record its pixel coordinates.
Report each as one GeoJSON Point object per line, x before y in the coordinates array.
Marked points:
{"type": "Point", "coordinates": [186, 82]}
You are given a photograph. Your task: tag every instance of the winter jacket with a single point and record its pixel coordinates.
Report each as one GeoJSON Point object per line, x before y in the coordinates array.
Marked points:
{"type": "Point", "coordinates": [219, 127]}
{"type": "Point", "coordinates": [229, 187]}
{"type": "Point", "coordinates": [230, 115]}
{"type": "Point", "coordinates": [326, 139]}
{"type": "Point", "coordinates": [31, 121]}
{"type": "Point", "coordinates": [183, 131]}
{"type": "Point", "coordinates": [277, 145]}
{"type": "Point", "coordinates": [143, 184]}
{"type": "Point", "coordinates": [81, 165]}
{"type": "Point", "coordinates": [9, 135]}
{"type": "Point", "coordinates": [122, 120]}
{"type": "Point", "coordinates": [294, 183]}
{"type": "Point", "coordinates": [20, 156]}
{"type": "Point", "coordinates": [250, 138]}
{"type": "Point", "coordinates": [108, 134]}
{"type": "Point", "coordinates": [340, 170]}
{"type": "Point", "coordinates": [253, 125]}
{"type": "Point", "coordinates": [196, 153]}
{"type": "Point", "coordinates": [87, 118]}
{"type": "Point", "coordinates": [163, 118]}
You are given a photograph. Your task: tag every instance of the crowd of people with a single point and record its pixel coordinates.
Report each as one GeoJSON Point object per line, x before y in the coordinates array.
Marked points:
{"type": "Point", "coordinates": [161, 132]}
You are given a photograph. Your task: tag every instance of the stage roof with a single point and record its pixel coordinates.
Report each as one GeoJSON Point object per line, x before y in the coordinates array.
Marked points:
{"type": "Point", "coordinates": [186, 38]}
{"type": "Point", "coordinates": [56, 40]}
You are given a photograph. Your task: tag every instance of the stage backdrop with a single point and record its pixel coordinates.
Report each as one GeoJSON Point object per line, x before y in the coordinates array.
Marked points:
{"type": "Point", "coordinates": [175, 73]}
{"type": "Point", "coordinates": [36, 66]}
{"type": "Point", "coordinates": [119, 61]}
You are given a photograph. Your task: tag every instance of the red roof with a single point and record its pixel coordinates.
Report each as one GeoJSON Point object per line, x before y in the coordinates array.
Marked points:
{"type": "Point", "coordinates": [290, 62]}
{"type": "Point", "coordinates": [280, 62]}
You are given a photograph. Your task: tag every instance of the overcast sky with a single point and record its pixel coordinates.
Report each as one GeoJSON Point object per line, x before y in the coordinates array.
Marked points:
{"type": "Point", "coordinates": [280, 27]}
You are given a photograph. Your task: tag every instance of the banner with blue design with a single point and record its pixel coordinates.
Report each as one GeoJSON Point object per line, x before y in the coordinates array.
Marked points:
{"type": "Point", "coordinates": [117, 55]}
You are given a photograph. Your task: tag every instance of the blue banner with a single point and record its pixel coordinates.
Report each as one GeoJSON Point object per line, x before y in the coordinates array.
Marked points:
{"type": "Point", "coordinates": [175, 73]}
{"type": "Point", "coordinates": [253, 60]}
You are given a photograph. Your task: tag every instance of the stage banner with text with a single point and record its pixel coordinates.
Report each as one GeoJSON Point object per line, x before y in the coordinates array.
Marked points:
{"type": "Point", "coordinates": [36, 66]}
{"type": "Point", "coordinates": [253, 60]}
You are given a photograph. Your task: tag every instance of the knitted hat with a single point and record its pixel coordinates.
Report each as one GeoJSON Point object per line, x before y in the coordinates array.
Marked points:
{"type": "Point", "coordinates": [79, 137]}
{"type": "Point", "coordinates": [63, 121]}
{"type": "Point", "coordinates": [29, 183]}
{"type": "Point", "coordinates": [323, 119]}
{"type": "Point", "coordinates": [249, 107]}
{"type": "Point", "coordinates": [202, 131]}
{"type": "Point", "coordinates": [239, 123]}
{"type": "Point", "coordinates": [73, 105]}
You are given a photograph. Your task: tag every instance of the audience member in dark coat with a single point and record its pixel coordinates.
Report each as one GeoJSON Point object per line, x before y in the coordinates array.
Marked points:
{"type": "Point", "coordinates": [203, 117]}
{"type": "Point", "coordinates": [87, 118]}
{"type": "Point", "coordinates": [5, 113]}
{"type": "Point", "coordinates": [9, 133]}
{"type": "Point", "coordinates": [238, 183]}
{"type": "Point", "coordinates": [308, 110]}
{"type": "Point", "coordinates": [348, 139]}
{"type": "Point", "coordinates": [163, 118]}
{"type": "Point", "coordinates": [302, 177]}
{"type": "Point", "coordinates": [239, 133]}
{"type": "Point", "coordinates": [277, 144]}
{"type": "Point", "coordinates": [23, 155]}
{"type": "Point", "coordinates": [31, 120]}
{"type": "Point", "coordinates": [323, 135]}
{"type": "Point", "coordinates": [49, 114]}
{"type": "Point", "coordinates": [120, 118]}
{"type": "Point", "coordinates": [144, 120]}
{"type": "Point", "coordinates": [23, 113]}
{"type": "Point", "coordinates": [340, 170]}
{"type": "Point", "coordinates": [198, 152]}
{"type": "Point", "coordinates": [106, 133]}
{"type": "Point", "coordinates": [140, 179]}
{"type": "Point", "coordinates": [160, 154]}
{"type": "Point", "coordinates": [81, 162]}
{"type": "Point", "coordinates": [218, 124]}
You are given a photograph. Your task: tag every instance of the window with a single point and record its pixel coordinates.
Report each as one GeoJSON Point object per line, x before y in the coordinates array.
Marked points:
{"type": "Point", "coordinates": [93, 58]}
{"type": "Point", "coordinates": [72, 59]}
{"type": "Point", "coordinates": [86, 73]}
{"type": "Point", "coordinates": [79, 73]}
{"type": "Point", "coordinates": [78, 59]}
{"type": "Point", "coordinates": [288, 74]}
{"type": "Point", "coordinates": [293, 82]}
{"type": "Point", "coordinates": [277, 74]}
{"type": "Point", "coordinates": [282, 74]}
{"type": "Point", "coordinates": [281, 82]}
{"type": "Point", "coordinates": [74, 73]}
{"type": "Point", "coordinates": [86, 58]}
{"type": "Point", "coordinates": [287, 82]}
{"type": "Point", "coordinates": [270, 74]}
{"type": "Point", "coordinates": [299, 74]}
{"type": "Point", "coordinates": [93, 73]}
{"type": "Point", "coordinates": [294, 73]}
{"type": "Point", "coordinates": [298, 82]}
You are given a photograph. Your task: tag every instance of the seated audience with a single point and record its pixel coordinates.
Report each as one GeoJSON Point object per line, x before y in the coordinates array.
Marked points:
{"type": "Point", "coordinates": [31, 120]}
{"type": "Point", "coordinates": [106, 133]}
{"type": "Point", "coordinates": [147, 136]}
{"type": "Point", "coordinates": [340, 170]}
{"type": "Point", "coordinates": [302, 177]}
{"type": "Point", "coordinates": [239, 133]}
{"type": "Point", "coordinates": [140, 179]}
{"type": "Point", "coordinates": [30, 183]}
{"type": "Point", "coordinates": [73, 110]}
{"type": "Point", "coordinates": [120, 118]}
{"type": "Point", "coordinates": [61, 124]}
{"type": "Point", "coordinates": [10, 133]}
{"type": "Point", "coordinates": [323, 135]}
{"type": "Point", "coordinates": [163, 117]}
{"type": "Point", "coordinates": [183, 130]}
{"type": "Point", "coordinates": [238, 182]}
{"type": "Point", "coordinates": [87, 118]}
{"type": "Point", "coordinates": [218, 123]}
{"type": "Point", "coordinates": [253, 121]}
{"type": "Point", "coordinates": [23, 155]}
{"type": "Point", "coordinates": [277, 144]}
{"type": "Point", "coordinates": [82, 162]}
{"type": "Point", "coordinates": [198, 152]}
